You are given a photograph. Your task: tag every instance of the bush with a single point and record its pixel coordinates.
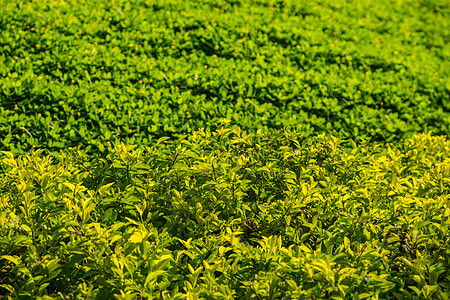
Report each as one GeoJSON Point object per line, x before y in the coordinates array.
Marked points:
{"type": "Point", "coordinates": [227, 214]}
{"type": "Point", "coordinates": [72, 75]}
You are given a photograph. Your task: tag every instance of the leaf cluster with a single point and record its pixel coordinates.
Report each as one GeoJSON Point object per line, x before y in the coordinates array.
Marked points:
{"type": "Point", "coordinates": [227, 214]}
{"type": "Point", "coordinates": [95, 73]}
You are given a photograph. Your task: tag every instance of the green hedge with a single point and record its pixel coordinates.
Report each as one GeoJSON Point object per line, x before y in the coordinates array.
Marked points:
{"type": "Point", "coordinates": [92, 72]}
{"type": "Point", "coordinates": [229, 215]}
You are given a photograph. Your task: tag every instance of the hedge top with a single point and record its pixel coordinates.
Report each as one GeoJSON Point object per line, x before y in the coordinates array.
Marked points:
{"type": "Point", "coordinates": [101, 72]}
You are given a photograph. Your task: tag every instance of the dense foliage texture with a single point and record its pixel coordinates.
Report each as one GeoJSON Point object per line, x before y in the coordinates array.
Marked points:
{"type": "Point", "coordinates": [224, 149]}
{"type": "Point", "coordinates": [92, 72]}
{"type": "Point", "coordinates": [227, 215]}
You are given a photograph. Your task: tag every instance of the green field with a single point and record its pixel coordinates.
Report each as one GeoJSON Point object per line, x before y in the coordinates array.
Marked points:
{"type": "Point", "coordinates": [224, 149]}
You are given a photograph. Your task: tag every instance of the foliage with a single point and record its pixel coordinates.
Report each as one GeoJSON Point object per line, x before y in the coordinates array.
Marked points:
{"type": "Point", "coordinates": [98, 72]}
{"type": "Point", "coordinates": [227, 214]}
{"type": "Point", "coordinates": [224, 149]}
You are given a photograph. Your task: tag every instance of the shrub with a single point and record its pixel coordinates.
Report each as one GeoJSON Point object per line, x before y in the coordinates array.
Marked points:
{"type": "Point", "coordinates": [227, 214]}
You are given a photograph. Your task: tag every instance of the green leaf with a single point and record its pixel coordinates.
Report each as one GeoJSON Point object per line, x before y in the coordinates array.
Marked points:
{"type": "Point", "coordinates": [14, 260]}
{"type": "Point", "coordinates": [104, 188]}
{"type": "Point", "coordinates": [136, 237]}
